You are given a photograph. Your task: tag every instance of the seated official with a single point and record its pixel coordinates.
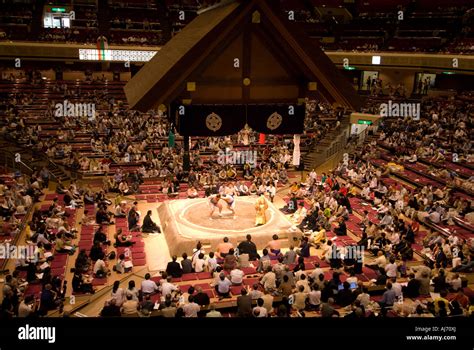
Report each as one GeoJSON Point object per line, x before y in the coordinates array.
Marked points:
{"type": "Point", "coordinates": [100, 267]}
{"type": "Point", "coordinates": [101, 237]}
{"type": "Point", "coordinates": [248, 247]}
{"type": "Point", "coordinates": [132, 220]}
{"type": "Point", "coordinates": [49, 299]}
{"type": "Point", "coordinates": [341, 230]}
{"type": "Point", "coordinates": [192, 192]}
{"type": "Point", "coordinates": [80, 283]}
{"type": "Point", "coordinates": [174, 268]}
{"type": "Point", "coordinates": [304, 249]}
{"type": "Point", "coordinates": [102, 217]}
{"type": "Point", "coordinates": [148, 225]}
{"type": "Point", "coordinates": [123, 240]}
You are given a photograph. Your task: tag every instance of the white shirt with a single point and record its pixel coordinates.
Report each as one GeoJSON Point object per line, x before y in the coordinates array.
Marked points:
{"type": "Point", "coordinates": [119, 296]}
{"type": "Point", "coordinates": [397, 288]}
{"type": "Point", "coordinates": [391, 270]}
{"type": "Point", "coordinates": [236, 276]}
{"type": "Point", "coordinates": [435, 217]}
{"type": "Point", "coordinates": [211, 264]}
{"type": "Point", "coordinates": [351, 279]}
{"type": "Point", "coordinates": [167, 288]}
{"type": "Point", "coordinates": [263, 311]}
{"type": "Point", "coordinates": [199, 265]}
{"type": "Point", "coordinates": [255, 294]}
{"type": "Point", "coordinates": [214, 313]}
{"type": "Point", "coordinates": [24, 310]}
{"type": "Point", "coordinates": [149, 286]}
{"type": "Point", "coordinates": [191, 309]}
{"type": "Point", "coordinates": [99, 265]}
{"type": "Point", "coordinates": [316, 272]}
{"type": "Point", "coordinates": [395, 239]}
{"type": "Point", "coordinates": [456, 284]}
{"type": "Point", "coordinates": [364, 299]}
{"type": "Point", "coordinates": [303, 283]}
{"type": "Point", "coordinates": [381, 261]}
{"type": "Point", "coordinates": [314, 297]}
{"type": "Point", "coordinates": [299, 273]}
{"type": "Point", "coordinates": [387, 220]}
{"type": "Point", "coordinates": [365, 192]}
{"type": "Point", "coordinates": [269, 280]}
{"type": "Point", "coordinates": [271, 190]}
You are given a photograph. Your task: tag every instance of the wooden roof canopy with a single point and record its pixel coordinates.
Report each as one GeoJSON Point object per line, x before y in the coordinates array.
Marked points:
{"type": "Point", "coordinates": [243, 52]}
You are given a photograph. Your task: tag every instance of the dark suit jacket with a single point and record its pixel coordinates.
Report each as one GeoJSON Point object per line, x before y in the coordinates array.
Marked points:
{"type": "Point", "coordinates": [174, 269]}
{"type": "Point", "coordinates": [244, 306]}
{"type": "Point", "coordinates": [202, 299]}
{"type": "Point", "coordinates": [412, 290]}
{"type": "Point", "coordinates": [249, 248]}
{"type": "Point", "coordinates": [187, 266]}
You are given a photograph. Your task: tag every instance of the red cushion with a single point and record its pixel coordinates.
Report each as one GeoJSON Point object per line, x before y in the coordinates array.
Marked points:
{"type": "Point", "coordinates": [139, 262]}
{"type": "Point", "coordinates": [249, 270]}
{"type": "Point", "coordinates": [469, 292]}
{"type": "Point", "coordinates": [139, 256]}
{"type": "Point", "coordinates": [189, 277]}
{"type": "Point", "coordinates": [369, 273]}
{"type": "Point", "coordinates": [33, 289]}
{"type": "Point", "coordinates": [155, 297]}
{"type": "Point", "coordinates": [362, 278]}
{"type": "Point", "coordinates": [204, 286]}
{"type": "Point", "coordinates": [156, 279]}
{"type": "Point", "coordinates": [343, 277]}
{"type": "Point", "coordinates": [60, 258]}
{"type": "Point", "coordinates": [250, 281]}
{"type": "Point", "coordinates": [99, 281]}
{"type": "Point", "coordinates": [57, 264]}
{"type": "Point", "coordinates": [210, 293]}
{"type": "Point", "coordinates": [204, 275]}
{"type": "Point", "coordinates": [235, 290]}
{"type": "Point", "coordinates": [184, 288]}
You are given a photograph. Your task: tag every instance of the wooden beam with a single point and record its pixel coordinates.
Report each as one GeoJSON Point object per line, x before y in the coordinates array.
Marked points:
{"type": "Point", "coordinates": [278, 52]}
{"type": "Point", "coordinates": [255, 82]}
{"type": "Point", "coordinates": [247, 60]}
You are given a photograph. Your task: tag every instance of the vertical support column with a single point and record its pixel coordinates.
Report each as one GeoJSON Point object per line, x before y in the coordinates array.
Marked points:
{"type": "Point", "coordinates": [186, 160]}
{"type": "Point", "coordinates": [103, 18]}
{"type": "Point", "coordinates": [165, 20]}
{"type": "Point", "coordinates": [37, 19]}
{"type": "Point", "coordinates": [246, 63]}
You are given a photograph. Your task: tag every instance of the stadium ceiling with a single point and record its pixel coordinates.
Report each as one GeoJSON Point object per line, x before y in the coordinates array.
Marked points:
{"type": "Point", "coordinates": [242, 52]}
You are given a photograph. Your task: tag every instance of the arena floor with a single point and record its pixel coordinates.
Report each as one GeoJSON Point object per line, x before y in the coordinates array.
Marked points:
{"type": "Point", "coordinates": [186, 221]}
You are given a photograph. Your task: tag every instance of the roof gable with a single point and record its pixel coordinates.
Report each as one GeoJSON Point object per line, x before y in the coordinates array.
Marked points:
{"type": "Point", "coordinates": [202, 44]}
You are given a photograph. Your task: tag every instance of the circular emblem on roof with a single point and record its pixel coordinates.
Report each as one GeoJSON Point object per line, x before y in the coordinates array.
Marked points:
{"type": "Point", "coordinates": [274, 121]}
{"type": "Point", "coordinates": [213, 122]}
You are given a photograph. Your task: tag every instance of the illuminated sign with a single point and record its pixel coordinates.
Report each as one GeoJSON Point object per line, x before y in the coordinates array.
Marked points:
{"type": "Point", "coordinates": [364, 122]}
{"type": "Point", "coordinates": [58, 9]}
{"type": "Point", "coordinates": [115, 55]}
{"type": "Point", "coordinates": [376, 59]}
